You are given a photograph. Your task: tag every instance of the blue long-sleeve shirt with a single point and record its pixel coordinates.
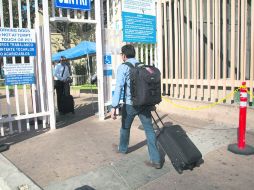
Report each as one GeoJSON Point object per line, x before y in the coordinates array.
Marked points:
{"type": "Point", "coordinates": [122, 78]}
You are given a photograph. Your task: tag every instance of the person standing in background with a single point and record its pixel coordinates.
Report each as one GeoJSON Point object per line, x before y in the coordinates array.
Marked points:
{"type": "Point", "coordinates": [61, 74]}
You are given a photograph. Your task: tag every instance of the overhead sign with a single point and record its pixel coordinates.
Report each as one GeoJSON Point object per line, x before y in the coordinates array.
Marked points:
{"type": "Point", "coordinates": [139, 21]}
{"type": "Point", "coordinates": [17, 42]}
{"type": "Point", "coordinates": [19, 74]}
{"type": "Point", "coordinates": [73, 4]}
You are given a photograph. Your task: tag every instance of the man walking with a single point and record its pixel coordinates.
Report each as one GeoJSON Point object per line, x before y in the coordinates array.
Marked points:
{"type": "Point", "coordinates": [129, 111]}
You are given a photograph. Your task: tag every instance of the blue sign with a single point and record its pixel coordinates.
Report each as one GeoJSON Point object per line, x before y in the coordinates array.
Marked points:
{"type": "Point", "coordinates": [14, 49]}
{"type": "Point", "coordinates": [16, 42]}
{"type": "Point", "coordinates": [107, 59]}
{"type": "Point", "coordinates": [19, 79]}
{"type": "Point", "coordinates": [107, 68]}
{"type": "Point", "coordinates": [139, 27]}
{"type": "Point", "coordinates": [19, 73]}
{"type": "Point", "coordinates": [74, 4]}
{"type": "Point", "coordinates": [107, 72]}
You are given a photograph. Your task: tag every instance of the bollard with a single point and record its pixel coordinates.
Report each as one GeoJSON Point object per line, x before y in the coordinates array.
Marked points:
{"type": "Point", "coordinates": [241, 147]}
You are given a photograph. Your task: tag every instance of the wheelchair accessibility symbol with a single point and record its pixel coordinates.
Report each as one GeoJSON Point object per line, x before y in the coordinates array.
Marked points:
{"type": "Point", "coordinates": [107, 59]}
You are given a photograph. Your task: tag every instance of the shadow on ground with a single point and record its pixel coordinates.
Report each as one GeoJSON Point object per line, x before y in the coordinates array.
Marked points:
{"type": "Point", "coordinates": [82, 111]}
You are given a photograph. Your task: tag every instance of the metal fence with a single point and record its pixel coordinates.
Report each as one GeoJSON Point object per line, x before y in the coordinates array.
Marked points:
{"type": "Point", "coordinates": [206, 47]}
{"type": "Point", "coordinates": [23, 105]}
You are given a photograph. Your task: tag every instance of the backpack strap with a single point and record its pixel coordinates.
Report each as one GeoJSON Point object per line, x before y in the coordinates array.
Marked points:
{"type": "Point", "coordinates": [128, 64]}
{"type": "Point", "coordinates": [132, 66]}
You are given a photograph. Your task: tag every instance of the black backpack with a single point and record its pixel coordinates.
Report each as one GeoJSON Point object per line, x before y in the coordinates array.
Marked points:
{"type": "Point", "coordinates": [145, 84]}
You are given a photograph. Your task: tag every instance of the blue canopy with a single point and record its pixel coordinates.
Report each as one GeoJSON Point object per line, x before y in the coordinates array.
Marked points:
{"type": "Point", "coordinates": [83, 48]}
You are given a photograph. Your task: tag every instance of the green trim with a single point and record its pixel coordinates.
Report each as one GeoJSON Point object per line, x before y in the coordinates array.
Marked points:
{"type": "Point", "coordinates": [84, 87]}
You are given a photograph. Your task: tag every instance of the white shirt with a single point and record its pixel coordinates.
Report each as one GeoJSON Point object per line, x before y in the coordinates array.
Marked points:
{"type": "Point", "coordinates": [58, 72]}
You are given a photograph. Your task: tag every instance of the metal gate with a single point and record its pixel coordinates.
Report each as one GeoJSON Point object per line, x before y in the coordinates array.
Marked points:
{"type": "Point", "coordinates": [206, 47]}
{"type": "Point", "coordinates": [91, 17]}
{"type": "Point", "coordinates": [28, 107]}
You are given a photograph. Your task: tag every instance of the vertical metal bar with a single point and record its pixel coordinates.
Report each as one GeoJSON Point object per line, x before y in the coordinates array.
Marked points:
{"type": "Point", "coordinates": [201, 49]}
{"type": "Point", "coordinates": [22, 58]}
{"type": "Point", "coordinates": [159, 45]}
{"type": "Point", "coordinates": [252, 50]}
{"type": "Point", "coordinates": [31, 60]}
{"type": "Point", "coordinates": [137, 50]}
{"type": "Point", "coordinates": [60, 12]}
{"type": "Point", "coordinates": [75, 14]}
{"type": "Point", "coordinates": [176, 47]}
{"type": "Point", "coordinates": [82, 15]}
{"type": "Point", "coordinates": [108, 15]}
{"type": "Point", "coordinates": [24, 86]}
{"type": "Point", "coordinates": [142, 53]}
{"type": "Point", "coordinates": [151, 54]}
{"type": "Point", "coordinates": [188, 48]}
{"type": "Point", "coordinates": [213, 41]}
{"type": "Point", "coordinates": [2, 25]}
{"type": "Point", "coordinates": [39, 61]}
{"type": "Point", "coordinates": [171, 49]}
{"type": "Point", "coordinates": [14, 62]}
{"type": "Point", "coordinates": [20, 23]}
{"type": "Point", "coordinates": [197, 45]}
{"type": "Point", "coordinates": [216, 41]}
{"type": "Point", "coordinates": [99, 59]}
{"type": "Point", "coordinates": [68, 14]}
{"type": "Point", "coordinates": [50, 92]}
{"type": "Point", "coordinates": [242, 40]}
{"type": "Point", "coordinates": [89, 15]}
{"type": "Point", "coordinates": [219, 41]}
{"type": "Point", "coordinates": [194, 47]}
{"type": "Point", "coordinates": [232, 50]}
{"type": "Point", "coordinates": [156, 57]}
{"type": "Point", "coordinates": [7, 87]}
{"type": "Point", "coordinates": [182, 46]}
{"type": "Point", "coordinates": [238, 41]}
{"type": "Point", "coordinates": [245, 39]}
{"type": "Point", "coordinates": [208, 50]}
{"type": "Point", "coordinates": [224, 46]}
{"type": "Point", "coordinates": [53, 9]}
{"type": "Point", "coordinates": [166, 44]}
{"type": "Point", "coordinates": [1, 13]}
{"type": "Point", "coordinates": [146, 46]}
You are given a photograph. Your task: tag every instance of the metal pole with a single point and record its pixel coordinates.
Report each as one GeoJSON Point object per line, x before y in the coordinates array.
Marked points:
{"type": "Point", "coordinates": [99, 59]}
{"type": "Point", "coordinates": [50, 91]}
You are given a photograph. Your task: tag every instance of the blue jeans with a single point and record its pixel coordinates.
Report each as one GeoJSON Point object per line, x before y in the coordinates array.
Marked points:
{"type": "Point", "coordinates": [128, 114]}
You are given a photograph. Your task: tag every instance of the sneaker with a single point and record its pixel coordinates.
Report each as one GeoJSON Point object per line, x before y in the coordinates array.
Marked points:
{"type": "Point", "coordinates": [116, 149]}
{"type": "Point", "coordinates": [156, 165]}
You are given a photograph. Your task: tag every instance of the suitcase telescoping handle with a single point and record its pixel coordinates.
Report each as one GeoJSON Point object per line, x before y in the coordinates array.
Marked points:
{"type": "Point", "coordinates": [156, 122]}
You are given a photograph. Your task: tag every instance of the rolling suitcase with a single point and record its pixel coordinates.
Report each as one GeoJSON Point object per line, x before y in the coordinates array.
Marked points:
{"type": "Point", "coordinates": [67, 104]}
{"type": "Point", "coordinates": [67, 101]}
{"type": "Point", "coordinates": [178, 146]}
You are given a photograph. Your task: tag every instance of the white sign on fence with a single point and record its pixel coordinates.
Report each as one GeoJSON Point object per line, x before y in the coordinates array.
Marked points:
{"type": "Point", "coordinates": [19, 74]}
{"type": "Point", "coordinates": [17, 42]}
{"type": "Point", "coordinates": [139, 21]}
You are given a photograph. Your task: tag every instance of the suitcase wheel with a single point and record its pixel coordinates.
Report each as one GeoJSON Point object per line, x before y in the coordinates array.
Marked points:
{"type": "Point", "coordinates": [178, 168]}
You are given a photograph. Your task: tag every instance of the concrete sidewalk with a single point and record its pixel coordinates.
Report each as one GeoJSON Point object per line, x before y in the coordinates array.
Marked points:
{"type": "Point", "coordinates": [80, 156]}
